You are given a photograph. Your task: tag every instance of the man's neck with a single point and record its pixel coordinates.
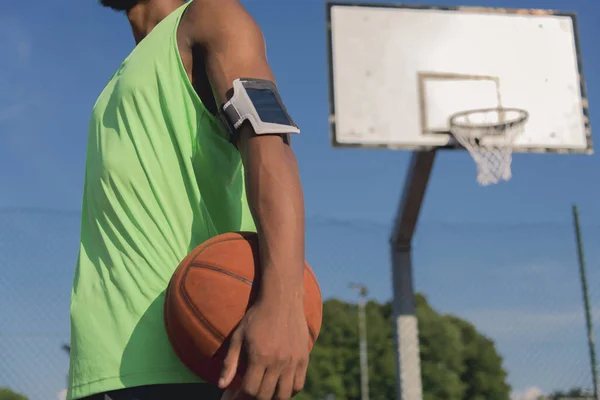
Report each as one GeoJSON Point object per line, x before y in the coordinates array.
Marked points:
{"type": "Point", "coordinates": [146, 15]}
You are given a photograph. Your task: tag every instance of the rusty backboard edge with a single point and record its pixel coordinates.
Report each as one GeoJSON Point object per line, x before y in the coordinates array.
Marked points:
{"type": "Point", "coordinates": [332, 132]}
{"type": "Point", "coordinates": [391, 146]}
{"type": "Point", "coordinates": [582, 84]}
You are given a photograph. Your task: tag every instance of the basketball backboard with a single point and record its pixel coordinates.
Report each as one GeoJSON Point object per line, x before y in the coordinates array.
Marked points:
{"type": "Point", "coordinates": [398, 73]}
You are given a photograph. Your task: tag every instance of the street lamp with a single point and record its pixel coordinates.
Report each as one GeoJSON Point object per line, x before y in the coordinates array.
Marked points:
{"type": "Point", "coordinates": [362, 329]}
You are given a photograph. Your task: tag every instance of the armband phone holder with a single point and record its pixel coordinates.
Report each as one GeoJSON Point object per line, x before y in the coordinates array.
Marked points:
{"type": "Point", "coordinates": [258, 102]}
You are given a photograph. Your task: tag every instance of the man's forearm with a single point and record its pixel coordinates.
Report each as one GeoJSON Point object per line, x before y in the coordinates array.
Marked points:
{"type": "Point", "coordinates": [276, 200]}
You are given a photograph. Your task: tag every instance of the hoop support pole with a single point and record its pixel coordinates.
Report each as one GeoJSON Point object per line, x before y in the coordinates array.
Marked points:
{"type": "Point", "coordinates": [408, 362]}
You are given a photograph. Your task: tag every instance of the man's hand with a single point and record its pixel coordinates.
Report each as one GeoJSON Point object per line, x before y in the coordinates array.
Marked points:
{"type": "Point", "coordinates": [275, 339]}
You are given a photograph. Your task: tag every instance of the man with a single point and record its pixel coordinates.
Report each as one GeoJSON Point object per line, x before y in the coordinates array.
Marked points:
{"type": "Point", "coordinates": [161, 177]}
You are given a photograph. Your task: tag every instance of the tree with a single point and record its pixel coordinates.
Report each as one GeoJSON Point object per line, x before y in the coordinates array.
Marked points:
{"type": "Point", "coordinates": [457, 362]}
{"type": "Point", "coordinates": [483, 365]}
{"type": "Point", "coordinates": [441, 354]}
{"type": "Point", "coordinates": [334, 365]}
{"type": "Point", "coordinates": [7, 394]}
{"type": "Point", "coordinates": [573, 393]}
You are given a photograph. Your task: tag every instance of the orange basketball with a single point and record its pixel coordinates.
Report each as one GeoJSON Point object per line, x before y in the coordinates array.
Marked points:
{"type": "Point", "coordinates": [209, 294]}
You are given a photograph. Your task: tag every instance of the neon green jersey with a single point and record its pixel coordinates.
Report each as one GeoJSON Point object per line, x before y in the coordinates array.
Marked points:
{"type": "Point", "coordinates": [160, 179]}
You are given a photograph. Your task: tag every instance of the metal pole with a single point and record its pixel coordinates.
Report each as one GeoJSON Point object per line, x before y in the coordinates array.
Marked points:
{"type": "Point", "coordinates": [362, 329]}
{"type": "Point", "coordinates": [586, 303]}
{"type": "Point", "coordinates": [408, 357]}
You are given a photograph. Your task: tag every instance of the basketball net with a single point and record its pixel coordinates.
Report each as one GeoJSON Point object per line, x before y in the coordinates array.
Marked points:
{"type": "Point", "coordinates": [488, 135]}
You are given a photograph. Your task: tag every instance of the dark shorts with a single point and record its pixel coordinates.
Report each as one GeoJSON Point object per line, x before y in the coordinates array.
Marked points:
{"type": "Point", "coordinates": [192, 391]}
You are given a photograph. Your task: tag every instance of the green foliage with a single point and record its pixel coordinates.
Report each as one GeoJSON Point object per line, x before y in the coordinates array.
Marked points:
{"type": "Point", "coordinates": [483, 365]}
{"type": "Point", "coordinates": [457, 362]}
{"type": "Point", "coordinates": [7, 394]}
{"type": "Point", "coordinates": [573, 393]}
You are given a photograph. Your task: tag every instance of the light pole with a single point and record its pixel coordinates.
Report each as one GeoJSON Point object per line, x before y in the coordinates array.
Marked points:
{"type": "Point", "coordinates": [362, 328]}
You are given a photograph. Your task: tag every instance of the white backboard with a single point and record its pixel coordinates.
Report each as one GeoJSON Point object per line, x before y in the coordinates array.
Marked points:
{"type": "Point", "coordinates": [397, 74]}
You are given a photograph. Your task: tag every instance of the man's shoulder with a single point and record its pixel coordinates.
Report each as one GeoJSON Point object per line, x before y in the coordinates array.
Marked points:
{"type": "Point", "coordinates": [205, 21]}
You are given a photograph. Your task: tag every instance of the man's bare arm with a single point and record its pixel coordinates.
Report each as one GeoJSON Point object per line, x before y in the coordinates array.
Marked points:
{"type": "Point", "coordinates": [233, 46]}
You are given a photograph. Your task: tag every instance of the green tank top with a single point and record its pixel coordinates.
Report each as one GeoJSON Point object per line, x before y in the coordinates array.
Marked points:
{"type": "Point", "coordinates": [161, 177]}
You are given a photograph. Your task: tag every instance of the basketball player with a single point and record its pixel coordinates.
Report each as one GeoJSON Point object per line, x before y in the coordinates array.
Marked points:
{"type": "Point", "coordinates": [163, 174]}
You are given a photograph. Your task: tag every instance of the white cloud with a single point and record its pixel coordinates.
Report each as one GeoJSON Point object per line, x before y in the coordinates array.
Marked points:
{"type": "Point", "coordinates": [15, 39]}
{"type": "Point", "coordinates": [24, 49]}
{"type": "Point", "coordinates": [531, 393]}
{"type": "Point", "coordinates": [62, 395]}
{"type": "Point", "coordinates": [18, 109]}
{"type": "Point", "coordinates": [17, 46]}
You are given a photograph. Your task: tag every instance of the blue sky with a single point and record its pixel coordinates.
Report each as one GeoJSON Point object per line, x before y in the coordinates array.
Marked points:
{"type": "Point", "coordinates": [501, 256]}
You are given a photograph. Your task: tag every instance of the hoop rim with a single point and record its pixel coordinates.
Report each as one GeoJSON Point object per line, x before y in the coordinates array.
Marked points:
{"type": "Point", "coordinates": [524, 115]}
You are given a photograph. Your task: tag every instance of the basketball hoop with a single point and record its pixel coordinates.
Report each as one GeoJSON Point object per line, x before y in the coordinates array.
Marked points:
{"type": "Point", "coordinates": [488, 135]}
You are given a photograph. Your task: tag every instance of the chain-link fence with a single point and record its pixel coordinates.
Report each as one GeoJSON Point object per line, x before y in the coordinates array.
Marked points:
{"type": "Point", "coordinates": [517, 284]}
{"type": "Point", "coordinates": [38, 250]}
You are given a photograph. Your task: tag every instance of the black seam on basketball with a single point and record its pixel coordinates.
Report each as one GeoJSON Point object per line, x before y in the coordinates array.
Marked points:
{"type": "Point", "coordinates": [191, 305]}
{"type": "Point", "coordinates": [246, 236]}
{"type": "Point", "coordinates": [180, 354]}
{"type": "Point", "coordinates": [197, 313]}
{"type": "Point", "coordinates": [230, 236]}
{"type": "Point", "coordinates": [249, 236]}
{"type": "Point", "coordinates": [221, 270]}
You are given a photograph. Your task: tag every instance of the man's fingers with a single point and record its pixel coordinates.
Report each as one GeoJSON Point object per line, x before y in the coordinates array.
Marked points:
{"type": "Point", "coordinates": [231, 361]}
{"type": "Point", "coordinates": [285, 385]}
{"type": "Point", "coordinates": [300, 377]}
{"type": "Point", "coordinates": [252, 380]}
{"type": "Point", "coordinates": [269, 383]}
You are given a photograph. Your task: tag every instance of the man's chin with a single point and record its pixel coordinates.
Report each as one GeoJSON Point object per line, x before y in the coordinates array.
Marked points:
{"type": "Point", "coordinates": [119, 5]}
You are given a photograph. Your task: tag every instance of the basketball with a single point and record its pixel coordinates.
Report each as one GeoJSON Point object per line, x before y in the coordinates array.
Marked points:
{"type": "Point", "coordinates": [208, 295]}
